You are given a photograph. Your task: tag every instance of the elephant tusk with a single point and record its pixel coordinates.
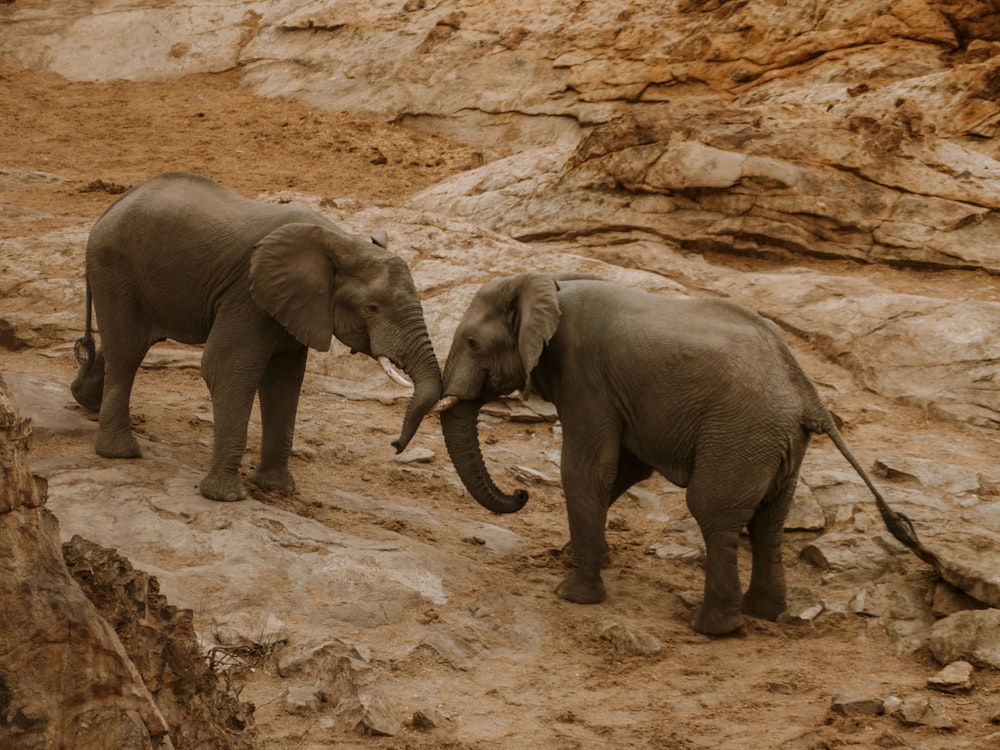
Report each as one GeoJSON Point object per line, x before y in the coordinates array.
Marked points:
{"type": "Point", "coordinates": [445, 404]}
{"type": "Point", "coordinates": [393, 373]}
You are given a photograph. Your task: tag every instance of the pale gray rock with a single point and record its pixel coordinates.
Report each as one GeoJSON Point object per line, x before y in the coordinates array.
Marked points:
{"type": "Point", "coordinates": [954, 678]}
{"type": "Point", "coordinates": [891, 601]}
{"type": "Point", "coordinates": [457, 650]}
{"type": "Point", "coordinates": [322, 660]}
{"type": "Point", "coordinates": [802, 606]}
{"type": "Point", "coordinates": [369, 713]}
{"type": "Point", "coordinates": [302, 700]}
{"type": "Point", "coordinates": [806, 514]}
{"type": "Point", "coordinates": [857, 705]}
{"type": "Point", "coordinates": [947, 600]}
{"type": "Point", "coordinates": [969, 554]}
{"type": "Point", "coordinates": [415, 455]}
{"type": "Point", "coordinates": [428, 717]}
{"type": "Point", "coordinates": [923, 711]}
{"type": "Point", "coordinates": [846, 556]}
{"type": "Point", "coordinates": [972, 636]}
{"type": "Point", "coordinates": [627, 639]}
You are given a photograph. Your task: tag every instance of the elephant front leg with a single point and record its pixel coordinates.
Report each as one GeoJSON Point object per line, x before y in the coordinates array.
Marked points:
{"type": "Point", "coordinates": [279, 400]}
{"type": "Point", "coordinates": [587, 486]}
{"type": "Point", "coordinates": [232, 384]}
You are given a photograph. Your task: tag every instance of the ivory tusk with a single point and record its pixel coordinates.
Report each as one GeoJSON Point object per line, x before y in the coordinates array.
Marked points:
{"type": "Point", "coordinates": [445, 404]}
{"type": "Point", "coordinates": [393, 373]}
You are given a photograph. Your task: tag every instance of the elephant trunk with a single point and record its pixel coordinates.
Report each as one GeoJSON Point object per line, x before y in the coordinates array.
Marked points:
{"type": "Point", "coordinates": [459, 424]}
{"type": "Point", "coordinates": [420, 364]}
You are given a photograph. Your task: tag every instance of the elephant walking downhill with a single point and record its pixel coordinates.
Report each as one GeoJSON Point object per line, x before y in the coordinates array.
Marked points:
{"type": "Point", "coordinates": [703, 391]}
{"type": "Point", "coordinates": [182, 257]}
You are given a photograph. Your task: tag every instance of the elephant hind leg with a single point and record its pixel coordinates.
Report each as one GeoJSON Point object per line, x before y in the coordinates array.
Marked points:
{"type": "Point", "coordinates": [114, 432]}
{"type": "Point", "coordinates": [723, 501]}
{"type": "Point", "coordinates": [766, 596]}
{"type": "Point", "coordinates": [719, 613]}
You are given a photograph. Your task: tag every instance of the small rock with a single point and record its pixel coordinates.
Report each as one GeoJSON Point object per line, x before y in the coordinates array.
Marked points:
{"type": "Point", "coordinates": [973, 636]}
{"type": "Point", "coordinates": [628, 640]}
{"type": "Point", "coordinates": [456, 650]}
{"type": "Point", "coordinates": [899, 602]}
{"type": "Point", "coordinates": [369, 714]}
{"type": "Point", "coordinates": [891, 704]}
{"type": "Point", "coordinates": [532, 476]}
{"type": "Point", "coordinates": [302, 699]}
{"type": "Point", "coordinates": [805, 513]}
{"type": "Point", "coordinates": [948, 600]}
{"type": "Point", "coordinates": [955, 678]}
{"type": "Point", "coordinates": [857, 705]}
{"type": "Point", "coordinates": [317, 661]}
{"type": "Point", "coordinates": [416, 455]}
{"type": "Point", "coordinates": [801, 607]}
{"type": "Point", "coordinates": [921, 711]}
{"type": "Point", "coordinates": [428, 718]}
{"type": "Point", "coordinates": [243, 629]}
{"type": "Point", "coordinates": [890, 739]}
{"type": "Point", "coordinates": [846, 555]}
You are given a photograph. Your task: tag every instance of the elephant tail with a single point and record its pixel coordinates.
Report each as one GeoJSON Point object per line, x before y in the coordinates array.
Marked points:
{"type": "Point", "coordinates": [88, 387]}
{"type": "Point", "coordinates": [898, 524]}
{"type": "Point", "coordinates": [84, 349]}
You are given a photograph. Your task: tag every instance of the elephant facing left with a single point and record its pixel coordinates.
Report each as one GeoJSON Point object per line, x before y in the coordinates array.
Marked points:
{"type": "Point", "coordinates": [182, 257]}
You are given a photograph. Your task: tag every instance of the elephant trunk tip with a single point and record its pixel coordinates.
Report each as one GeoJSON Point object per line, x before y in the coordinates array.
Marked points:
{"type": "Point", "coordinates": [520, 500]}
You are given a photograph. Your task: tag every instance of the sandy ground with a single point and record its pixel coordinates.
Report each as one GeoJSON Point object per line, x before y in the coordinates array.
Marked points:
{"type": "Point", "coordinates": [771, 686]}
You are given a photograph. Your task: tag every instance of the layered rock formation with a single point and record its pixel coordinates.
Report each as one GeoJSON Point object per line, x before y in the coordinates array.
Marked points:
{"type": "Point", "coordinates": [67, 677]}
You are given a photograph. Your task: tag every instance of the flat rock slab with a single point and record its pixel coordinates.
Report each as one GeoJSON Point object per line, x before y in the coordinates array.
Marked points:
{"type": "Point", "coordinates": [970, 560]}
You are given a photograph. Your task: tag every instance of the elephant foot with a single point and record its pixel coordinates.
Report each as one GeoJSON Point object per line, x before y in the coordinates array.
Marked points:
{"type": "Point", "coordinates": [578, 590]}
{"type": "Point", "coordinates": [117, 445]}
{"type": "Point", "coordinates": [713, 622]}
{"type": "Point", "coordinates": [763, 606]}
{"type": "Point", "coordinates": [278, 478]}
{"type": "Point", "coordinates": [224, 488]}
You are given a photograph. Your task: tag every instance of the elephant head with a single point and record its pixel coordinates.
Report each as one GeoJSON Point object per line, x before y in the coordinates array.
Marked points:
{"type": "Point", "coordinates": [496, 347]}
{"type": "Point", "coordinates": [318, 282]}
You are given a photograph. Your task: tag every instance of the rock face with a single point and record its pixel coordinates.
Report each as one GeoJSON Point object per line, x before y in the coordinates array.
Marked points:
{"type": "Point", "coordinates": [67, 678]}
{"type": "Point", "coordinates": [859, 131]}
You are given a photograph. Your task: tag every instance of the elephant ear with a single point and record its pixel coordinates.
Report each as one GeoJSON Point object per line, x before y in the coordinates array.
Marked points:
{"type": "Point", "coordinates": [537, 317]}
{"type": "Point", "coordinates": [291, 278]}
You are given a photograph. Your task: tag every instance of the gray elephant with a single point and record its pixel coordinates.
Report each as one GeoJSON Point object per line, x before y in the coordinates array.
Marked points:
{"type": "Point", "coordinates": [182, 257]}
{"type": "Point", "coordinates": [703, 391]}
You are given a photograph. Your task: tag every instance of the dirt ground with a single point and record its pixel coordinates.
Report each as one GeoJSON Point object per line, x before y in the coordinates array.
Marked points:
{"type": "Point", "coordinates": [770, 686]}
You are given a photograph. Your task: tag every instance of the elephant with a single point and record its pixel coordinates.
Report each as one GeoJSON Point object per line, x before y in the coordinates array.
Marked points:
{"type": "Point", "coordinates": [259, 284]}
{"type": "Point", "coordinates": [704, 391]}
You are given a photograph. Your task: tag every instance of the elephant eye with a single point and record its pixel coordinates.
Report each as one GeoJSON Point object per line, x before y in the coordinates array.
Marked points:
{"type": "Point", "coordinates": [473, 344]}
{"type": "Point", "coordinates": [371, 308]}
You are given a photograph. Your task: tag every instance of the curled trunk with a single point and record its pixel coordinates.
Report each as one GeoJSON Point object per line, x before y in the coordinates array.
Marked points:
{"type": "Point", "coordinates": [421, 365]}
{"type": "Point", "coordinates": [459, 424]}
